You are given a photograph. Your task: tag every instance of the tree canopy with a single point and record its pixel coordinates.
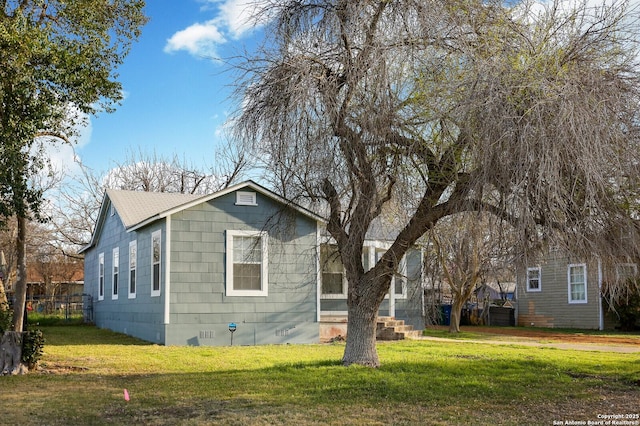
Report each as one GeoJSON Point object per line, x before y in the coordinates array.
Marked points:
{"type": "Point", "coordinates": [526, 110]}
{"type": "Point", "coordinates": [58, 65]}
{"type": "Point", "coordinates": [59, 60]}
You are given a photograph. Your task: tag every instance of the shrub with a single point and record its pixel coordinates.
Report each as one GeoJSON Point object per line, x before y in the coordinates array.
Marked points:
{"type": "Point", "coordinates": [32, 347]}
{"type": "Point", "coordinates": [624, 301]}
{"type": "Point", "coordinates": [6, 317]}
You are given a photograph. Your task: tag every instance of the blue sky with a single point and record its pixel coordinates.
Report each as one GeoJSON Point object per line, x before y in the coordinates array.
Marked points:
{"type": "Point", "coordinates": [176, 92]}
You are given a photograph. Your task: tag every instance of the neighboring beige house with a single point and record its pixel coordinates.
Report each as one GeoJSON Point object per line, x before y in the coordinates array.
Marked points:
{"type": "Point", "coordinates": [564, 291]}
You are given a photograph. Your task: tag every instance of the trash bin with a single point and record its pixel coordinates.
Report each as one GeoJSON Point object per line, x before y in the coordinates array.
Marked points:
{"type": "Point", "coordinates": [445, 317]}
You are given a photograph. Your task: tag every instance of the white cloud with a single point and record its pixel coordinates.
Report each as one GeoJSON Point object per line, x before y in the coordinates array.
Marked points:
{"type": "Point", "coordinates": [197, 39]}
{"type": "Point", "coordinates": [237, 16]}
{"type": "Point", "coordinates": [233, 20]}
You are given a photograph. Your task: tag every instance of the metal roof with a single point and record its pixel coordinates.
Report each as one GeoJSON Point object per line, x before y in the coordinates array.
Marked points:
{"type": "Point", "coordinates": [134, 207]}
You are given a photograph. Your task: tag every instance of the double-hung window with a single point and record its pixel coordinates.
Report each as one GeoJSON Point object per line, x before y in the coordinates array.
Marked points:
{"type": "Point", "coordinates": [534, 282]}
{"type": "Point", "coordinates": [133, 254]}
{"type": "Point", "coordinates": [399, 281]}
{"type": "Point", "coordinates": [247, 272]}
{"type": "Point", "coordinates": [333, 281]}
{"type": "Point", "coordinates": [101, 276]}
{"type": "Point", "coordinates": [577, 277]}
{"type": "Point", "coordinates": [116, 273]}
{"type": "Point", "coordinates": [156, 246]}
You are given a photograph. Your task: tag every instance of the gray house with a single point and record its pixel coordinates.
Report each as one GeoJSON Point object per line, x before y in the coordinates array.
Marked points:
{"type": "Point", "coordinates": [564, 291]}
{"type": "Point", "coordinates": [179, 269]}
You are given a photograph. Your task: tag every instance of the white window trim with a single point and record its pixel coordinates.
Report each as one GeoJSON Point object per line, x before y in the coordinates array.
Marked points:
{"type": "Point", "coordinates": [246, 198]}
{"type": "Point", "coordinates": [115, 273]}
{"type": "Point", "coordinates": [230, 291]}
{"type": "Point", "coordinates": [342, 295]}
{"type": "Point", "coordinates": [101, 276]}
{"type": "Point", "coordinates": [133, 245]}
{"type": "Point", "coordinates": [584, 267]}
{"type": "Point", "coordinates": [156, 293]}
{"type": "Point", "coordinates": [402, 276]}
{"type": "Point", "coordinates": [529, 288]}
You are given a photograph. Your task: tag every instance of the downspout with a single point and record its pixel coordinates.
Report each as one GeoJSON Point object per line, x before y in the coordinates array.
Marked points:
{"type": "Point", "coordinates": [600, 313]}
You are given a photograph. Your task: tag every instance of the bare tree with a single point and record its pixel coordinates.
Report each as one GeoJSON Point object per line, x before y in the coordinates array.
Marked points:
{"type": "Point", "coordinates": [529, 113]}
{"type": "Point", "coordinates": [75, 210]}
{"type": "Point", "coordinates": [467, 247]}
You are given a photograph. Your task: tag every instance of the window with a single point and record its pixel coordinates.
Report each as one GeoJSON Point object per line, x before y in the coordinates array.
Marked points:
{"type": "Point", "coordinates": [577, 275]}
{"type": "Point", "coordinates": [116, 267]}
{"type": "Point", "coordinates": [398, 281]}
{"type": "Point", "coordinates": [155, 262]}
{"type": "Point", "coordinates": [333, 283]}
{"type": "Point", "coordinates": [101, 276]}
{"type": "Point", "coordinates": [244, 198]}
{"type": "Point", "coordinates": [533, 279]}
{"type": "Point", "coordinates": [133, 252]}
{"type": "Point", "coordinates": [247, 273]}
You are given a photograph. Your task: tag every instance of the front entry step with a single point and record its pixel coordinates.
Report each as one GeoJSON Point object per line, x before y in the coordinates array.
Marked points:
{"type": "Point", "coordinates": [389, 328]}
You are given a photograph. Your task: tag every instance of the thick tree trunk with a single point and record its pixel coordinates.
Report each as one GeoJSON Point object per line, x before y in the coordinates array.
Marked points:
{"type": "Point", "coordinates": [361, 337]}
{"type": "Point", "coordinates": [11, 354]}
{"type": "Point", "coordinates": [456, 311]}
{"type": "Point", "coordinates": [21, 283]}
{"type": "Point", "coordinates": [365, 296]}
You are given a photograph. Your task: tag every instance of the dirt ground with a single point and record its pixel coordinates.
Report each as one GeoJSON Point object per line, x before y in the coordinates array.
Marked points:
{"type": "Point", "coordinates": [563, 337]}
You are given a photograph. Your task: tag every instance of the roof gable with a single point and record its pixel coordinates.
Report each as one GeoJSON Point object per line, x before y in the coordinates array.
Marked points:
{"type": "Point", "coordinates": [137, 208]}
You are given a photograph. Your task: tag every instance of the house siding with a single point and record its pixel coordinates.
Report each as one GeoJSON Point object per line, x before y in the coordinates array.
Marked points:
{"type": "Point", "coordinates": [200, 310]}
{"type": "Point", "coordinates": [142, 316]}
{"type": "Point", "coordinates": [550, 307]}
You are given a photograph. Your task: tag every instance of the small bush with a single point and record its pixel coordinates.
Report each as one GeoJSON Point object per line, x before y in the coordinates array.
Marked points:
{"type": "Point", "coordinates": [6, 318]}
{"type": "Point", "coordinates": [624, 301]}
{"type": "Point", "coordinates": [32, 347]}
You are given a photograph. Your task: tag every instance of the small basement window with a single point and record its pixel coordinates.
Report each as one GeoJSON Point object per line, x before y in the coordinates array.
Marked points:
{"type": "Point", "coordinates": [244, 198]}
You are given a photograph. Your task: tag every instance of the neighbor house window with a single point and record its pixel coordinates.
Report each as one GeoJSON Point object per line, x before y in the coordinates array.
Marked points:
{"type": "Point", "coordinates": [133, 254]}
{"type": "Point", "coordinates": [156, 239]}
{"type": "Point", "coordinates": [247, 273]}
{"type": "Point", "coordinates": [116, 269]}
{"type": "Point", "coordinates": [533, 279]}
{"type": "Point", "coordinates": [333, 282]}
{"type": "Point", "coordinates": [577, 276]}
{"type": "Point", "coordinates": [101, 276]}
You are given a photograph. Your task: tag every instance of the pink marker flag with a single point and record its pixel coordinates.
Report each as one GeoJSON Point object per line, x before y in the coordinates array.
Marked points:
{"type": "Point", "coordinates": [126, 395]}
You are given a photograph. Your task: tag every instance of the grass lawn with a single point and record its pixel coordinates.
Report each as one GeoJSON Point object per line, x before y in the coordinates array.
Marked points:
{"type": "Point", "coordinates": [85, 371]}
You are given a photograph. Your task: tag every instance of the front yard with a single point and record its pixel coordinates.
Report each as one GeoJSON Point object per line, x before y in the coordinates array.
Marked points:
{"type": "Point", "coordinates": [85, 371]}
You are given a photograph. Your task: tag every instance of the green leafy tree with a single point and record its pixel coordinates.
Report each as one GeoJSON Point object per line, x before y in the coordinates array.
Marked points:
{"type": "Point", "coordinates": [526, 111]}
{"type": "Point", "coordinates": [58, 66]}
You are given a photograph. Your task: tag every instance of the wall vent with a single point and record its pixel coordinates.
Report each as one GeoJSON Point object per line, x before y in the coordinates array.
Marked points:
{"type": "Point", "coordinates": [207, 334]}
{"type": "Point", "coordinates": [244, 198]}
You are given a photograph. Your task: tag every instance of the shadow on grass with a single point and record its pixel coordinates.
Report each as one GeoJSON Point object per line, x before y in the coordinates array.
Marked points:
{"type": "Point", "coordinates": [85, 334]}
